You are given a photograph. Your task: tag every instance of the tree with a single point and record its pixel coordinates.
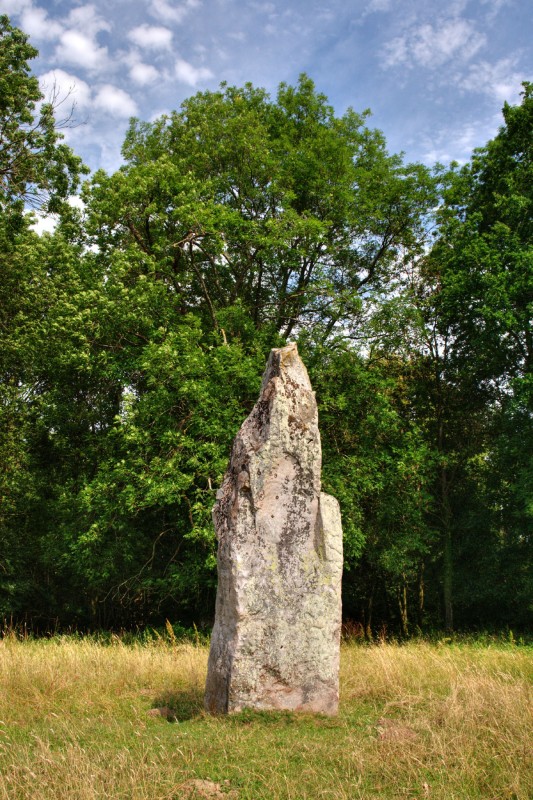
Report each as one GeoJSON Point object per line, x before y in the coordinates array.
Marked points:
{"type": "Point", "coordinates": [483, 264]}
{"type": "Point", "coordinates": [485, 253]}
{"type": "Point", "coordinates": [279, 207]}
{"type": "Point", "coordinates": [380, 466]}
{"type": "Point", "coordinates": [36, 168]}
{"type": "Point", "coordinates": [235, 223]}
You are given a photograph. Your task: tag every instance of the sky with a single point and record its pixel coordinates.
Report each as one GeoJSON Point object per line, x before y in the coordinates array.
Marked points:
{"type": "Point", "coordinates": [434, 74]}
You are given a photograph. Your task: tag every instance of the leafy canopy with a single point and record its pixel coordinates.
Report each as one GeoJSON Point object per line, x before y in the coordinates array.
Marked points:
{"type": "Point", "coordinates": [36, 168]}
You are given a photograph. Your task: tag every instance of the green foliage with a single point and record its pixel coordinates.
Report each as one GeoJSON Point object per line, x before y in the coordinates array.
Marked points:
{"type": "Point", "coordinates": [484, 254]}
{"type": "Point", "coordinates": [34, 165]}
{"type": "Point", "coordinates": [483, 264]}
{"type": "Point", "coordinates": [36, 169]}
{"type": "Point", "coordinates": [273, 205]}
{"type": "Point", "coordinates": [379, 464]}
{"type": "Point", "coordinates": [147, 509]}
{"type": "Point", "coordinates": [133, 341]}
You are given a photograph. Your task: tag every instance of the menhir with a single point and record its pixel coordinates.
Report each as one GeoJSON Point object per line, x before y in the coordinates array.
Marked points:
{"type": "Point", "coordinates": [275, 643]}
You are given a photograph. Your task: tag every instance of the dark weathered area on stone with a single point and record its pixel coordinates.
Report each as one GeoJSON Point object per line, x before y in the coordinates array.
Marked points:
{"type": "Point", "coordinates": [275, 643]}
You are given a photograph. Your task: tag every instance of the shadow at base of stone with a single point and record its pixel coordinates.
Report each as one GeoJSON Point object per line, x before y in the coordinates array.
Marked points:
{"type": "Point", "coordinates": [178, 706]}
{"type": "Point", "coordinates": [250, 716]}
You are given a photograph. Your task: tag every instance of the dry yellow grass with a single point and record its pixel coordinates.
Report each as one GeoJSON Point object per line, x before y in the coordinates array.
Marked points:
{"type": "Point", "coordinates": [417, 721]}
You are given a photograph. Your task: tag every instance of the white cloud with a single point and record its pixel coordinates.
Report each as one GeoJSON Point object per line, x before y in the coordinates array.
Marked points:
{"type": "Point", "coordinates": [460, 142]}
{"type": "Point", "coordinates": [14, 7]}
{"type": "Point", "coordinates": [499, 81]}
{"type": "Point", "coordinates": [264, 8]}
{"type": "Point", "coordinates": [75, 201]}
{"type": "Point", "coordinates": [80, 50]}
{"type": "Point", "coordinates": [143, 74]}
{"type": "Point", "coordinates": [87, 19]}
{"type": "Point", "coordinates": [115, 101]}
{"type": "Point", "coordinates": [65, 88]}
{"type": "Point", "coordinates": [432, 46]}
{"type": "Point", "coordinates": [44, 224]}
{"type": "Point", "coordinates": [163, 10]}
{"type": "Point", "coordinates": [38, 24]}
{"type": "Point", "coordinates": [395, 52]}
{"type": "Point", "coordinates": [162, 112]}
{"type": "Point", "coordinates": [78, 44]}
{"type": "Point", "coordinates": [140, 73]}
{"type": "Point", "coordinates": [150, 36]}
{"type": "Point", "coordinates": [47, 223]}
{"type": "Point", "coordinates": [191, 75]}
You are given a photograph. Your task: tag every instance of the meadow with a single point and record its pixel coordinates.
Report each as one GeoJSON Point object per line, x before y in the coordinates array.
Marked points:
{"type": "Point", "coordinates": [84, 719]}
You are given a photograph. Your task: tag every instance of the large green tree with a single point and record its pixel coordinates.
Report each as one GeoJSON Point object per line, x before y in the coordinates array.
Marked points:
{"type": "Point", "coordinates": [380, 465]}
{"type": "Point", "coordinates": [277, 206]}
{"type": "Point", "coordinates": [482, 264]}
{"type": "Point", "coordinates": [235, 223]}
{"type": "Point", "coordinates": [485, 253]}
{"type": "Point", "coordinates": [134, 337]}
{"type": "Point", "coordinates": [36, 167]}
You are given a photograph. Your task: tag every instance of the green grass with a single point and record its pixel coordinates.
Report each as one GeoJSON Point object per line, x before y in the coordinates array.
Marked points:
{"type": "Point", "coordinates": [416, 721]}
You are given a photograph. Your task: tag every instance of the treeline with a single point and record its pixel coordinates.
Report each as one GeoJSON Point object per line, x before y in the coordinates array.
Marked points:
{"type": "Point", "coordinates": [133, 340]}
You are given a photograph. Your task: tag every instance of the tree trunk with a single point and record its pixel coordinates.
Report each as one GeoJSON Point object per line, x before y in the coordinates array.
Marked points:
{"type": "Point", "coordinates": [448, 581]}
{"type": "Point", "coordinates": [368, 616]}
{"type": "Point", "coordinates": [447, 552]}
{"type": "Point", "coordinates": [402, 604]}
{"type": "Point", "coordinates": [421, 597]}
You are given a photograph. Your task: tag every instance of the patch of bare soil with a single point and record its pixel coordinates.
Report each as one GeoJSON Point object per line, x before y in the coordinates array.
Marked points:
{"type": "Point", "coordinates": [392, 730]}
{"type": "Point", "coordinates": [198, 789]}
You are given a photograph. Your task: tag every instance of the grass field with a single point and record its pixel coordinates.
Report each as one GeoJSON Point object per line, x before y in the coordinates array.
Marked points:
{"type": "Point", "coordinates": [78, 720]}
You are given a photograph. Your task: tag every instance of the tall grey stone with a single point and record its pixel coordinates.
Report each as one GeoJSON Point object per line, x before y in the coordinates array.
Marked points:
{"type": "Point", "coordinates": [275, 642]}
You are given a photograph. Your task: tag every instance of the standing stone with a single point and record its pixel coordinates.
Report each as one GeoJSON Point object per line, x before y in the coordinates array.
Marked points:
{"type": "Point", "coordinates": [275, 642]}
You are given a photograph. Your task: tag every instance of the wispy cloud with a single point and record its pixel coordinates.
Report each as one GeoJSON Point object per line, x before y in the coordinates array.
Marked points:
{"type": "Point", "coordinates": [263, 8]}
{"type": "Point", "coordinates": [14, 6]}
{"type": "Point", "coordinates": [432, 46]}
{"type": "Point", "coordinates": [377, 6]}
{"type": "Point", "coordinates": [172, 12]}
{"type": "Point", "coordinates": [459, 143]}
{"type": "Point", "coordinates": [500, 81]}
{"type": "Point", "coordinates": [455, 143]}
{"type": "Point", "coordinates": [494, 7]}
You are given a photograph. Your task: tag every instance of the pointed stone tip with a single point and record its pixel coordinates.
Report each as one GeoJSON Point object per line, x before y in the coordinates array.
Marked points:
{"type": "Point", "coordinates": [286, 361]}
{"type": "Point", "coordinates": [287, 355]}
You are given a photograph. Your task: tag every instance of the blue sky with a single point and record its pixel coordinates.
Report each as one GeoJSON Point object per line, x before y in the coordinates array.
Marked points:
{"type": "Point", "coordinates": [434, 74]}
